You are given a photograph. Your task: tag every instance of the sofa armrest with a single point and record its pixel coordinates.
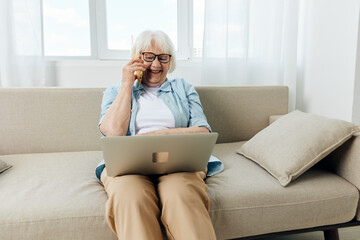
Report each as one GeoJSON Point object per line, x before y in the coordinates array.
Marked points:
{"type": "Point", "coordinates": [345, 162]}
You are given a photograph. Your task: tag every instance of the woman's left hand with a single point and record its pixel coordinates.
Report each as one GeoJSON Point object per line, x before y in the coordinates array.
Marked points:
{"type": "Point", "coordinates": [177, 131]}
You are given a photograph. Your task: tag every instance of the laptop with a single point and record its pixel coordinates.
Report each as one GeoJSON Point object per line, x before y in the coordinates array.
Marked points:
{"type": "Point", "coordinates": [157, 154]}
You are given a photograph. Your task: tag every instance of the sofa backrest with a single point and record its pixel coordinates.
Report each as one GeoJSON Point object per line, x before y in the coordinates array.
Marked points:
{"type": "Point", "coordinates": [238, 113]}
{"type": "Point", "coordinates": [36, 120]}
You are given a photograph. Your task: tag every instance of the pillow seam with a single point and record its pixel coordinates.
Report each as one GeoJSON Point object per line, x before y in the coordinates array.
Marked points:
{"type": "Point", "coordinates": [289, 178]}
{"type": "Point", "coordinates": [264, 167]}
{"type": "Point", "coordinates": [6, 168]}
{"type": "Point", "coordinates": [316, 159]}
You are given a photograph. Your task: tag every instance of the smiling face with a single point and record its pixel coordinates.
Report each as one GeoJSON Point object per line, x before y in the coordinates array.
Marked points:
{"type": "Point", "coordinates": [156, 71]}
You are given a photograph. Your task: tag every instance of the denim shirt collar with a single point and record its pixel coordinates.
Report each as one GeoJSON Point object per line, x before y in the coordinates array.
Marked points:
{"type": "Point", "coordinates": [166, 86]}
{"type": "Point", "coordinates": [138, 88]}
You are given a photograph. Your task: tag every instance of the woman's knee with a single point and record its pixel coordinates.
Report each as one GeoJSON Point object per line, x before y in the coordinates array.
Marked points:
{"type": "Point", "coordinates": [131, 190]}
{"type": "Point", "coordinates": [183, 187]}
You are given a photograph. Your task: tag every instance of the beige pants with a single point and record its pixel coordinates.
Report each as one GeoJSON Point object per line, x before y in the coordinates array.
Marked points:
{"type": "Point", "coordinates": [137, 206]}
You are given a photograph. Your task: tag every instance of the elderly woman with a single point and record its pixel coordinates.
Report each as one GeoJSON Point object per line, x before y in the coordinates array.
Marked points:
{"type": "Point", "coordinates": [138, 206]}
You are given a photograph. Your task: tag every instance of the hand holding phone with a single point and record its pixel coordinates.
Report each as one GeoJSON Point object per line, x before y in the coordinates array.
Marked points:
{"type": "Point", "coordinates": [139, 75]}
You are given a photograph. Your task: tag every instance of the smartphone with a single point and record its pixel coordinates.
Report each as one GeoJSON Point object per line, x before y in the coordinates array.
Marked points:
{"type": "Point", "coordinates": [139, 75]}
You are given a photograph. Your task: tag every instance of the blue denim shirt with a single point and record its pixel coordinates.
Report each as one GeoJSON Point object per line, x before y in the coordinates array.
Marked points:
{"type": "Point", "coordinates": [183, 101]}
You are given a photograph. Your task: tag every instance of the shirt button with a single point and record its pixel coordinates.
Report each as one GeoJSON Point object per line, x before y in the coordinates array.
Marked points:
{"type": "Point", "coordinates": [132, 110]}
{"type": "Point", "coordinates": [131, 130]}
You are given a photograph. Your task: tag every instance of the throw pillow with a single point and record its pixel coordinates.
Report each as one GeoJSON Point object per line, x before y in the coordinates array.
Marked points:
{"type": "Point", "coordinates": [4, 166]}
{"type": "Point", "coordinates": [295, 142]}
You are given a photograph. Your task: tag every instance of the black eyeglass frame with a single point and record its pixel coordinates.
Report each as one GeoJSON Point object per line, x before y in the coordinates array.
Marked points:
{"type": "Point", "coordinates": [156, 56]}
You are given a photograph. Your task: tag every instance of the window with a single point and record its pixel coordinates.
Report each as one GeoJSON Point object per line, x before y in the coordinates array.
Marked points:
{"type": "Point", "coordinates": [198, 27]}
{"type": "Point", "coordinates": [106, 29]}
{"type": "Point", "coordinates": [66, 28]}
{"type": "Point", "coordinates": [120, 22]}
{"type": "Point", "coordinates": [125, 23]}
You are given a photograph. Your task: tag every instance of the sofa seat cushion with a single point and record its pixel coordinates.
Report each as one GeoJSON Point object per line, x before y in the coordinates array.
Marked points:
{"type": "Point", "coordinates": [52, 196]}
{"type": "Point", "coordinates": [56, 196]}
{"type": "Point", "coordinates": [246, 200]}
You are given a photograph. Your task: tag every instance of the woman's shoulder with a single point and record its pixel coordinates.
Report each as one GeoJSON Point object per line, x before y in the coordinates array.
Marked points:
{"type": "Point", "coordinates": [116, 87]}
{"type": "Point", "coordinates": [180, 83]}
{"type": "Point", "coordinates": [113, 88]}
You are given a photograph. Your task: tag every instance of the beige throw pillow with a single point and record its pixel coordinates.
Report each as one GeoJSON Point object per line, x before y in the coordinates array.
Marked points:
{"type": "Point", "coordinates": [4, 166]}
{"type": "Point", "coordinates": [295, 142]}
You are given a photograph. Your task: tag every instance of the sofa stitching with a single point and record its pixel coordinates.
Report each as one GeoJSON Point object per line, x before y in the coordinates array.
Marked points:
{"type": "Point", "coordinates": [283, 204]}
{"type": "Point", "coordinates": [47, 220]}
{"type": "Point", "coordinates": [211, 210]}
{"type": "Point", "coordinates": [321, 155]}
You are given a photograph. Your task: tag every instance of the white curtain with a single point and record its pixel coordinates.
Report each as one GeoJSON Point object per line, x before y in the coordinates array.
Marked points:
{"type": "Point", "coordinates": [21, 51]}
{"type": "Point", "coordinates": [251, 42]}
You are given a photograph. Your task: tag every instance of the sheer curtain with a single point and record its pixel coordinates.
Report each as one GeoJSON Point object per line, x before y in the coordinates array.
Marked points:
{"type": "Point", "coordinates": [21, 53]}
{"type": "Point", "coordinates": [251, 42]}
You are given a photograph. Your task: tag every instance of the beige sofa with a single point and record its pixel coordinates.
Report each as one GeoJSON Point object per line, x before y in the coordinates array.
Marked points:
{"type": "Point", "coordinates": [50, 137]}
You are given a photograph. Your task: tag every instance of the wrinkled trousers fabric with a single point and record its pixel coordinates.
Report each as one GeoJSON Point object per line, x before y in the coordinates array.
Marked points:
{"type": "Point", "coordinates": [139, 207]}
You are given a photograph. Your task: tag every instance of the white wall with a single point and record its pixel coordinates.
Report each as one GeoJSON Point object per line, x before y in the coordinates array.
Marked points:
{"type": "Point", "coordinates": [356, 102]}
{"type": "Point", "coordinates": [94, 73]}
{"type": "Point", "coordinates": [327, 57]}
{"type": "Point", "coordinates": [328, 72]}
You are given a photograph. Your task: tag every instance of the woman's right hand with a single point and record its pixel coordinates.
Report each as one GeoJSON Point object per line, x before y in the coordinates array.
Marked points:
{"type": "Point", "coordinates": [129, 69]}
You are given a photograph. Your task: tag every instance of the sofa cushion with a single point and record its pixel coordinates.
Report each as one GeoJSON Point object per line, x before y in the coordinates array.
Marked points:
{"type": "Point", "coordinates": [56, 196]}
{"type": "Point", "coordinates": [246, 200]}
{"type": "Point", "coordinates": [243, 120]}
{"type": "Point", "coordinates": [41, 120]}
{"type": "Point", "coordinates": [52, 196]}
{"type": "Point", "coordinates": [296, 142]}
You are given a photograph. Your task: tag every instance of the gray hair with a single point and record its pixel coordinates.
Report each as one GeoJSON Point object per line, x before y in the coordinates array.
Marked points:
{"type": "Point", "coordinates": [161, 39]}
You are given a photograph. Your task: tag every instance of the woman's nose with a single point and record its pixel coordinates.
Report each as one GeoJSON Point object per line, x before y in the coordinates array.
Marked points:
{"type": "Point", "coordinates": [156, 63]}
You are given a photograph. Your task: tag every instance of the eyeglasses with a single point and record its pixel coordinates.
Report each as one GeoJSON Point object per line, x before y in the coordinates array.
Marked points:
{"type": "Point", "coordinates": [150, 57]}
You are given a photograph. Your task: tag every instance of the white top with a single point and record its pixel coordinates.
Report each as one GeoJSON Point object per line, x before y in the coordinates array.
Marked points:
{"type": "Point", "coordinates": [152, 113]}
